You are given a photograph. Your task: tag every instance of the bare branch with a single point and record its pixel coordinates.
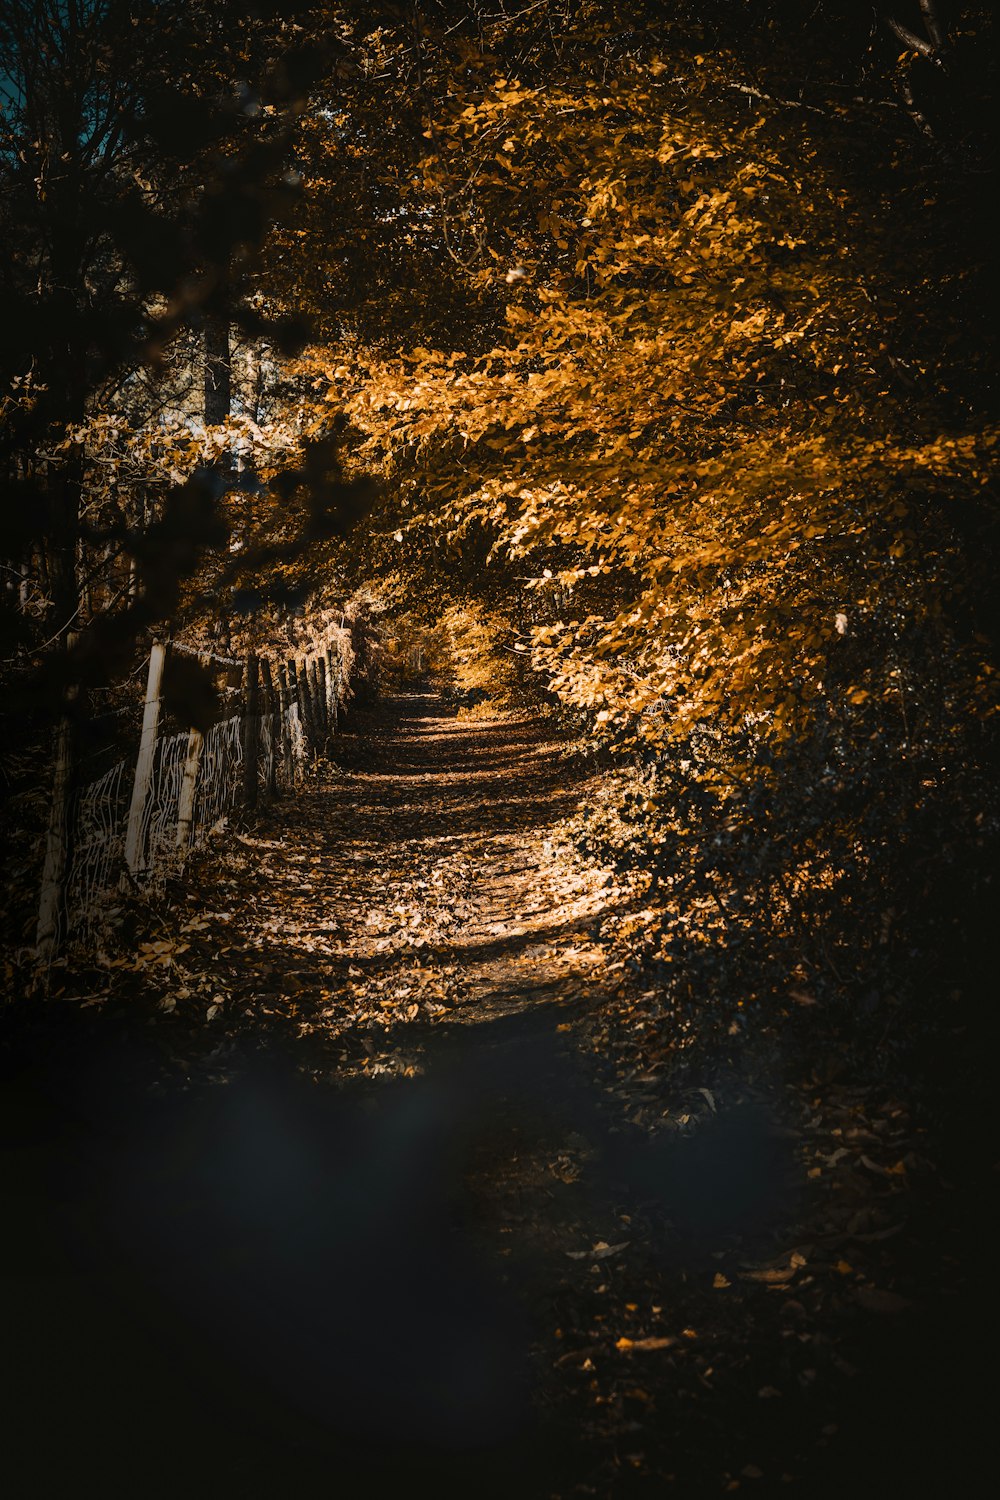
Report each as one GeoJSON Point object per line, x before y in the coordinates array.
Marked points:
{"type": "Point", "coordinates": [910, 39]}
{"type": "Point", "coordinates": [743, 88]}
{"type": "Point", "coordinates": [935, 29]}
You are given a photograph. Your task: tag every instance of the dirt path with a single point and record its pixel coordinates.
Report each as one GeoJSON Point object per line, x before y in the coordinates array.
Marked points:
{"type": "Point", "coordinates": [421, 883]}
{"type": "Point", "coordinates": [394, 1217]}
{"type": "Point", "coordinates": [413, 915]}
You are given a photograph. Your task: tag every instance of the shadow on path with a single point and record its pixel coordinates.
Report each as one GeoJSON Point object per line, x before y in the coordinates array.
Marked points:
{"type": "Point", "coordinates": [344, 1235]}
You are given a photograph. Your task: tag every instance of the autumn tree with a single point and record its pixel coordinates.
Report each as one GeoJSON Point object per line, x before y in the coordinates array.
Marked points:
{"type": "Point", "coordinates": [655, 332]}
{"type": "Point", "coordinates": [720, 425]}
{"type": "Point", "coordinates": [139, 168]}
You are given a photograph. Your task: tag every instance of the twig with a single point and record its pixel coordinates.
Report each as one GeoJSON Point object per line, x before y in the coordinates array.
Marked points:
{"type": "Point", "coordinates": [743, 88]}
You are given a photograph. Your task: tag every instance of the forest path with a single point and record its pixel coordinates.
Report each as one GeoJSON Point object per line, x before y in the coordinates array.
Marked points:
{"type": "Point", "coordinates": [413, 910]}
{"type": "Point", "coordinates": [418, 882]}
{"type": "Point", "coordinates": [414, 913]}
{"type": "Point", "coordinates": [339, 1179]}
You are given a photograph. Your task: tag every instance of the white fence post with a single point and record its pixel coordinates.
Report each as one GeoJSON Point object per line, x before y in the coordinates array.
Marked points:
{"type": "Point", "coordinates": [134, 837]}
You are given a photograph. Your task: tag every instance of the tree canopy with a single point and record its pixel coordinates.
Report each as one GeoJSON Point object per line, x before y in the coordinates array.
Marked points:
{"type": "Point", "coordinates": [648, 332]}
{"type": "Point", "coordinates": [611, 387]}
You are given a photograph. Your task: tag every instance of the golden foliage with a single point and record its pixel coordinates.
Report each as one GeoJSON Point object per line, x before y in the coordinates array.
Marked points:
{"type": "Point", "coordinates": [692, 429]}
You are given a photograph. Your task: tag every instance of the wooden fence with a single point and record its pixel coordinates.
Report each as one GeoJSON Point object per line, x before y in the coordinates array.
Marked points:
{"type": "Point", "coordinates": [138, 821]}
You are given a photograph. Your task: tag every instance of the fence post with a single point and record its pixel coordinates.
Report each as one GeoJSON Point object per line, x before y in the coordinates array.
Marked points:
{"type": "Point", "coordinates": [323, 697]}
{"type": "Point", "coordinates": [273, 714]}
{"type": "Point", "coordinates": [305, 702]}
{"type": "Point", "coordinates": [295, 688]}
{"type": "Point", "coordinates": [338, 682]}
{"type": "Point", "coordinates": [295, 701]}
{"type": "Point", "coordinates": [189, 784]}
{"type": "Point", "coordinates": [333, 681]}
{"type": "Point", "coordinates": [287, 747]}
{"type": "Point", "coordinates": [134, 837]}
{"type": "Point", "coordinates": [306, 720]}
{"type": "Point", "coordinates": [312, 678]}
{"type": "Point", "coordinates": [250, 733]}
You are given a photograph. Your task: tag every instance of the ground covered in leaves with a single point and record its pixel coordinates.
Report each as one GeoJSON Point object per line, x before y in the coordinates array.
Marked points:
{"type": "Point", "coordinates": [353, 1155]}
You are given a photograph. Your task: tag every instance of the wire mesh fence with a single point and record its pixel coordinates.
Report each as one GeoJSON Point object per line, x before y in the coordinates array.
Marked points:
{"type": "Point", "coordinates": [220, 780]}
{"type": "Point", "coordinates": [100, 815]}
{"type": "Point", "coordinates": [136, 823]}
{"type": "Point", "coordinates": [159, 822]}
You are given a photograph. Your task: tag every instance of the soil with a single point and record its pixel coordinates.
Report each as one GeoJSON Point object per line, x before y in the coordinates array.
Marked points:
{"type": "Point", "coordinates": [329, 1178]}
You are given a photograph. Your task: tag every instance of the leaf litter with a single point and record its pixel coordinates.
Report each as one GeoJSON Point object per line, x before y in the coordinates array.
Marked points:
{"type": "Point", "coordinates": [364, 938]}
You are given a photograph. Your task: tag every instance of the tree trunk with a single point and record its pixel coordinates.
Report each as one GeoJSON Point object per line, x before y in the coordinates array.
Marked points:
{"type": "Point", "coordinates": [58, 837]}
{"type": "Point", "coordinates": [218, 371]}
{"type": "Point", "coordinates": [59, 558]}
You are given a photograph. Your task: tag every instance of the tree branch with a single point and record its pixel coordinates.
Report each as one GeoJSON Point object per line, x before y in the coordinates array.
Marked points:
{"type": "Point", "coordinates": [911, 41]}
{"type": "Point", "coordinates": [935, 30]}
